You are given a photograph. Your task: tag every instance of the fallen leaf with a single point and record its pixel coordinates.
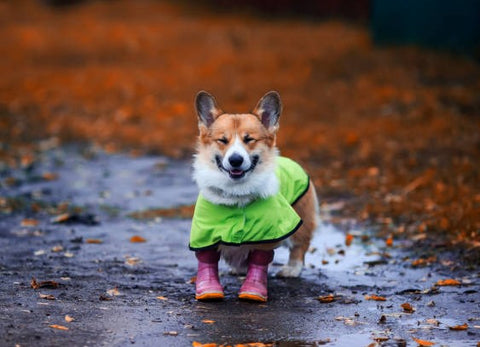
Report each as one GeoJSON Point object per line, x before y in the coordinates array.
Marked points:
{"type": "Point", "coordinates": [433, 321]}
{"type": "Point", "coordinates": [113, 292]}
{"type": "Point", "coordinates": [192, 280]}
{"type": "Point", "coordinates": [162, 298]}
{"type": "Point", "coordinates": [208, 321]}
{"type": "Point", "coordinates": [69, 319]}
{"type": "Point", "coordinates": [104, 298]}
{"type": "Point", "coordinates": [97, 241]}
{"type": "Point", "coordinates": [448, 282]}
{"type": "Point", "coordinates": [47, 296]}
{"type": "Point", "coordinates": [459, 327]}
{"type": "Point", "coordinates": [389, 241]}
{"type": "Point", "coordinates": [348, 239]}
{"type": "Point", "coordinates": [59, 327]}
{"type": "Point", "coordinates": [28, 222]}
{"type": "Point", "coordinates": [50, 176]}
{"type": "Point", "coordinates": [57, 248]}
{"type": "Point", "coordinates": [199, 344]}
{"type": "Point", "coordinates": [407, 307]}
{"type": "Point", "coordinates": [375, 297]}
{"type": "Point", "coordinates": [61, 218]}
{"type": "Point", "coordinates": [44, 284]}
{"type": "Point", "coordinates": [423, 343]}
{"type": "Point", "coordinates": [171, 333]}
{"type": "Point", "coordinates": [137, 239]}
{"type": "Point", "coordinates": [68, 255]}
{"type": "Point", "coordinates": [132, 261]}
{"type": "Point", "coordinates": [326, 298]}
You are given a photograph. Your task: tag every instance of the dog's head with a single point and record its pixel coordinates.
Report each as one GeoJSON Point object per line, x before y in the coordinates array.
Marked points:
{"type": "Point", "coordinates": [237, 142]}
{"type": "Point", "coordinates": [236, 151]}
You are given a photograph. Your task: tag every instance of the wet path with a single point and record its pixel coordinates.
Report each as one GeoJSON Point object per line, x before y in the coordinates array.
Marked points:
{"type": "Point", "coordinates": [66, 219]}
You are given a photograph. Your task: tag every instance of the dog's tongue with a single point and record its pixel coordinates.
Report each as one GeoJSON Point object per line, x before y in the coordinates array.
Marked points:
{"type": "Point", "coordinates": [236, 172]}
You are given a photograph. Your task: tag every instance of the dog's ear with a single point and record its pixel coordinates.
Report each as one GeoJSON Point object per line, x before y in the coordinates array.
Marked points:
{"type": "Point", "coordinates": [268, 109]}
{"type": "Point", "coordinates": [206, 107]}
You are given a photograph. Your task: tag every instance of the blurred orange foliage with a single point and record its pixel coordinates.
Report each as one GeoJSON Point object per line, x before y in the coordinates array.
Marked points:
{"type": "Point", "coordinates": [395, 132]}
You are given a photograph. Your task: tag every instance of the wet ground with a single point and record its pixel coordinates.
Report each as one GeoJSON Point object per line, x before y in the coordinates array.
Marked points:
{"type": "Point", "coordinates": [69, 218]}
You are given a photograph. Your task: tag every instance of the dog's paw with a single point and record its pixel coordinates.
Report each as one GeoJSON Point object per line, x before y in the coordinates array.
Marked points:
{"type": "Point", "coordinates": [290, 270]}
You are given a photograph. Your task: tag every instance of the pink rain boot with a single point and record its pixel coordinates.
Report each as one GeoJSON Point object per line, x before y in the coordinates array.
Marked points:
{"type": "Point", "coordinates": [208, 286]}
{"type": "Point", "coordinates": [255, 286]}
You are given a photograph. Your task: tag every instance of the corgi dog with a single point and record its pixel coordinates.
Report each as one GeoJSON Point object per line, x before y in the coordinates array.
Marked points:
{"type": "Point", "coordinates": [251, 199]}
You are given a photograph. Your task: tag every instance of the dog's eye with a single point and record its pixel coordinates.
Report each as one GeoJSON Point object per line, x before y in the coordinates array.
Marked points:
{"type": "Point", "coordinates": [223, 140]}
{"type": "Point", "coordinates": [248, 139]}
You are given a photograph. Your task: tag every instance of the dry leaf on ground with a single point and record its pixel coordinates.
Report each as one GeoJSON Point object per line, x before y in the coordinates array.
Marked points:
{"type": "Point", "coordinates": [407, 307]}
{"type": "Point", "coordinates": [208, 321]}
{"type": "Point", "coordinates": [43, 284]}
{"type": "Point", "coordinates": [423, 343]}
{"type": "Point", "coordinates": [459, 327]}
{"type": "Point", "coordinates": [69, 319]}
{"type": "Point", "coordinates": [97, 241]}
{"type": "Point", "coordinates": [59, 327]}
{"type": "Point", "coordinates": [46, 296]}
{"type": "Point", "coordinates": [326, 298]}
{"type": "Point", "coordinates": [448, 282]}
{"type": "Point", "coordinates": [348, 239]}
{"type": "Point", "coordinates": [137, 239]}
{"type": "Point", "coordinates": [28, 222]}
{"type": "Point", "coordinates": [375, 297]}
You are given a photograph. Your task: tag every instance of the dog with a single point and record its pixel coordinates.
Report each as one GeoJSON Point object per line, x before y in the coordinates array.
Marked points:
{"type": "Point", "coordinates": [251, 199]}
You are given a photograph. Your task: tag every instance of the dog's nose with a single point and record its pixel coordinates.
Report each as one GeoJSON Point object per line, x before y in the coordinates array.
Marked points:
{"type": "Point", "coordinates": [235, 160]}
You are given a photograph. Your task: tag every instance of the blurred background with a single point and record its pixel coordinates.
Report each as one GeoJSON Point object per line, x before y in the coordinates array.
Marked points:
{"type": "Point", "coordinates": [381, 98]}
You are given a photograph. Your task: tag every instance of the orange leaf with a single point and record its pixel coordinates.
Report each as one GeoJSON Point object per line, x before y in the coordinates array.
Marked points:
{"type": "Point", "coordinates": [389, 241]}
{"type": "Point", "coordinates": [59, 327]}
{"type": "Point", "coordinates": [27, 222]}
{"type": "Point", "coordinates": [69, 319]}
{"type": "Point", "coordinates": [423, 343]}
{"type": "Point", "coordinates": [97, 241]}
{"type": "Point", "coordinates": [326, 299]}
{"type": "Point", "coordinates": [199, 344]}
{"type": "Point", "coordinates": [448, 282]}
{"type": "Point", "coordinates": [375, 297]}
{"type": "Point", "coordinates": [459, 327]}
{"type": "Point", "coordinates": [208, 321]}
{"type": "Point", "coordinates": [136, 238]}
{"type": "Point", "coordinates": [407, 307]}
{"type": "Point", "coordinates": [348, 239]}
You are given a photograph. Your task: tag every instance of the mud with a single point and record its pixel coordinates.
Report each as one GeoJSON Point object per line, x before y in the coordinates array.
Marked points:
{"type": "Point", "coordinates": [122, 293]}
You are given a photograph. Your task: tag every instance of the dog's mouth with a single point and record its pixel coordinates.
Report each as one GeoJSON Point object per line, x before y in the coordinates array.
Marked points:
{"type": "Point", "coordinates": [237, 174]}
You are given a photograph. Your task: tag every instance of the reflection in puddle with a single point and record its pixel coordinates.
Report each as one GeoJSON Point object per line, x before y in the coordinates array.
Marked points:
{"type": "Point", "coordinates": [329, 252]}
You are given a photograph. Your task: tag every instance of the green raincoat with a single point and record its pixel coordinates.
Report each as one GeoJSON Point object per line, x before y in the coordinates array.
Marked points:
{"type": "Point", "coordinates": [262, 221]}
